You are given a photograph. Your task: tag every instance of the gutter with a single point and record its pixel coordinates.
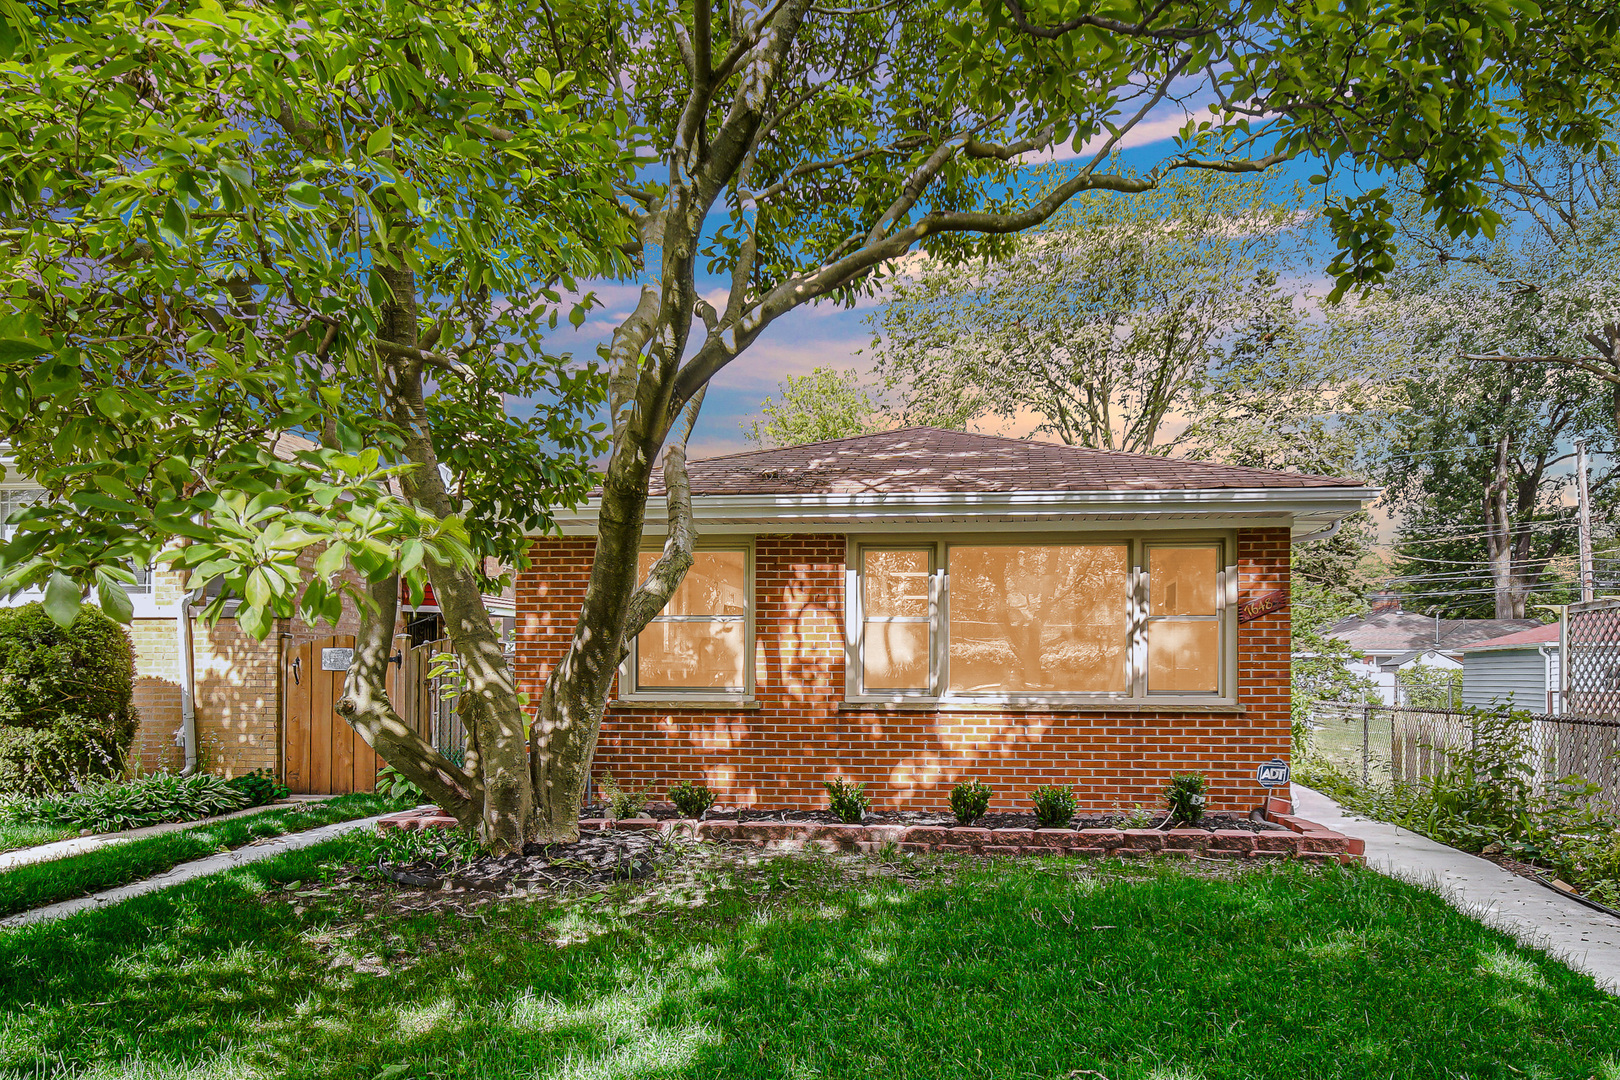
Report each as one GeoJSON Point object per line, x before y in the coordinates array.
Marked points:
{"type": "Point", "coordinates": [188, 679]}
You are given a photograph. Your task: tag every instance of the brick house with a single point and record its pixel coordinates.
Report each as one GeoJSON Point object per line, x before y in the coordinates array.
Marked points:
{"type": "Point", "coordinates": [919, 607]}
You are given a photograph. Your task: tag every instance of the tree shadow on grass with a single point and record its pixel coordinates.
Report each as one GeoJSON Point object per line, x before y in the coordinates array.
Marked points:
{"type": "Point", "coordinates": [795, 971]}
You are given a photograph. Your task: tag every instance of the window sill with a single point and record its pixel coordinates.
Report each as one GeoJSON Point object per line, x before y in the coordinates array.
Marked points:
{"type": "Point", "coordinates": [1066, 707]}
{"type": "Point", "coordinates": [694, 702]}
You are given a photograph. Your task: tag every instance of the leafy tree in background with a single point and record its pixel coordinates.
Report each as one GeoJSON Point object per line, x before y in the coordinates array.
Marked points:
{"type": "Point", "coordinates": [796, 150]}
{"type": "Point", "coordinates": [826, 404]}
{"type": "Point", "coordinates": [1105, 326]}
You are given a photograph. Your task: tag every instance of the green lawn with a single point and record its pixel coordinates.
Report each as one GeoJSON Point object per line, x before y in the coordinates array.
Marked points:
{"type": "Point", "coordinates": [38, 884]}
{"type": "Point", "coordinates": [14, 836]}
{"type": "Point", "coordinates": [803, 968]}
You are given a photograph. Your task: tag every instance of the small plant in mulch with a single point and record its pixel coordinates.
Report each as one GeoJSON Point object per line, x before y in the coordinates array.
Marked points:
{"type": "Point", "coordinates": [969, 801]}
{"type": "Point", "coordinates": [1054, 806]}
{"type": "Point", "coordinates": [1185, 794]}
{"type": "Point", "coordinates": [849, 802]}
{"type": "Point", "coordinates": [1137, 817]}
{"type": "Point", "coordinates": [691, 800]}
{"type": "Point", "coordinates": [621, 804]}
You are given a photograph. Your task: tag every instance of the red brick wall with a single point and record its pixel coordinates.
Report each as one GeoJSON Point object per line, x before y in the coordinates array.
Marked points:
{"type": "Point", "coordinates": [779, 754]}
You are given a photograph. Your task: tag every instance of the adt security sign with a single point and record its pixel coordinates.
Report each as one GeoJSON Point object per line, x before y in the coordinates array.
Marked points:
{"type": "Point", "coordinates": [1273, 773]}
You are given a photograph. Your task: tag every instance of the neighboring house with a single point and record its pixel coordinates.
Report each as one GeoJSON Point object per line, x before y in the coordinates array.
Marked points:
{"type": "Point", "coordinates": [919, 607]}
{"type": "Point", "coordinates": [1391, 640]}
{"type": "Point", "coordinates": [252, 704]}
{"type": "Point", "coordinates": [1518, 669]}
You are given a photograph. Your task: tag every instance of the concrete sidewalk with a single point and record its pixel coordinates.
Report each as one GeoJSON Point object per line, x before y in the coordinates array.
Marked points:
{"type": "Point", "coordinates": [1585, 939]}
{"type": "Point", "coordinates": [213, 864]}
{"type": "Point", "coordinates": [78, 845]}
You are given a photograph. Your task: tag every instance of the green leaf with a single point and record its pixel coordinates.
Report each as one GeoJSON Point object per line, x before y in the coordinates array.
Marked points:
{"type": "Point", "coordinates": [62, 599]}
{"type": "Point", "coordinates": [114, 600]}
{"type": "Point", "coordinates": [304, 195]}
{"type": "Point", "coordinates": [12, 348]}
{"type": "Point", "coordinates": [380, 140]}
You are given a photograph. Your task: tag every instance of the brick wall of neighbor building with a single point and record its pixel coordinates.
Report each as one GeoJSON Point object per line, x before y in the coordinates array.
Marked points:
{"type": "Point", "coordinates": [237, 695]}
{"type": "Point", "coordinates": [803, 734]}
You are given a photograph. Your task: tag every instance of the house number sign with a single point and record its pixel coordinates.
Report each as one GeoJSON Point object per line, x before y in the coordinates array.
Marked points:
{"type": "Point", "coordinates": [336, 659]}
{"type": "Point", "coordinates": [1259, 606]}
{"type": "Point", "coordinates": [1273, 773]}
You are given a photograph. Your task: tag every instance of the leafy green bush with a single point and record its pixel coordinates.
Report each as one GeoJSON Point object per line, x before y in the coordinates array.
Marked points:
{"type": "Point", "coordinates": [260, 786]}
{"type": "Point", "coordinates": [849, 802]}
{"type": "Point", "coordinates": [1185, 794]}
{"type": "Point", "coordinates": [621, 804]}
{"type": "Point", "coordinates": [395, 786]}
{"type": "Point", "coordinates": [1054, 806]}
{"type": "Point", "coordinates": [1591, 864]}
{"type": "Point", "coordinates": [969, 800]}
{"type": "Point", "coordinates": [691, 800]}
{"type": "Point", "coordinates": [65, 699]}
{"type": "Point", "coordinates": [150, 800]}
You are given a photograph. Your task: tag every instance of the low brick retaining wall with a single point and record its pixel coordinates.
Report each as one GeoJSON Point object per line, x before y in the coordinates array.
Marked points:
{"type": "Point", "coordinates": [1304, 840]}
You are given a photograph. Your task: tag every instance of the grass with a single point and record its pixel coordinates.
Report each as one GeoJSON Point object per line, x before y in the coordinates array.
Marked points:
{"type": "Point", "coordinates": [15, 835]}
{"type": "Point", "coordinates": [802, 968]}
{"type": "Point", "coordinates": [37, 884]}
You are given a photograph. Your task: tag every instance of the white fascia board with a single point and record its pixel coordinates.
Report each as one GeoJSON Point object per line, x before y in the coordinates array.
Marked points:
{"type": "Point", "coordinates": [1306, 509]}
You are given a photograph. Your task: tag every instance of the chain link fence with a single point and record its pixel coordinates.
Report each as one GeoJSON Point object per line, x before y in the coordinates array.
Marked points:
{"type": "Point", "coordinates": [1380, 744]}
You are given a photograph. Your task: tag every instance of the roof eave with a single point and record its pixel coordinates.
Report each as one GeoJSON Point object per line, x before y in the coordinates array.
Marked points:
{"type": "Point", "coordinates": [1306, 509]}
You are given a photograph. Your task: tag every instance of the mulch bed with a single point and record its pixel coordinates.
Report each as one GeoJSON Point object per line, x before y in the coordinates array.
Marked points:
{"type": "Point", "coordinates": [667, 812]}
{"type": "Point", "coordinates": [597, 859]}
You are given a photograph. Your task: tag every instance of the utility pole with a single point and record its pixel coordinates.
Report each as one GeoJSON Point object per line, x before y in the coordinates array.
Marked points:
{"type": "Point", "coordinates": [1584, 506]}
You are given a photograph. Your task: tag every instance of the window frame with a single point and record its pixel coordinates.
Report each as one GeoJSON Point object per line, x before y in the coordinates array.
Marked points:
{"type": "Point", "coordinates": [629, 685]}
{"type": "Point", "coordinates": [1138, 544]}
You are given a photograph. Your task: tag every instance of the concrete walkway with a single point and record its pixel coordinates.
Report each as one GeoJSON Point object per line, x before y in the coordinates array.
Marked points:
{"type": "Point", "coordinates": [213, 864]}
{"type": "Point", "coordinates": [1585, 939]}
{"type": "Point", "coordinates": [78, 845]}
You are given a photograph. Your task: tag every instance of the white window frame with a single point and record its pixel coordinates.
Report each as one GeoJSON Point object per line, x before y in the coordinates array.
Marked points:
{"type": "Point", "coordinates": [629, 688]}
{"type": "Point", "coordinates": [1137, 545]}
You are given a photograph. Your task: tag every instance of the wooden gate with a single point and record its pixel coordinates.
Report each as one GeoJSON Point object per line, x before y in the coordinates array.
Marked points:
{"type": "Point", "coordinates": [321, 753]}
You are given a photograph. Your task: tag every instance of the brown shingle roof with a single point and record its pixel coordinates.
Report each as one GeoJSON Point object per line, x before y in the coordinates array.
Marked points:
{"type": "Point", "coordinates": [1407, 631]}
{"type": "Point", "coordinates": [925, 459]}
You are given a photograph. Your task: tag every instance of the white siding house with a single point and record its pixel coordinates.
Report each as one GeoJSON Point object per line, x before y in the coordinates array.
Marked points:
{"type": "Point", "coordinates": [1518, 669]}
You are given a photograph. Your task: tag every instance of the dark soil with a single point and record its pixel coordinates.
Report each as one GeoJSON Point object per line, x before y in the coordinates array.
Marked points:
{"type": "Point", "coordinates": [599, 858]}
{"type": "Point", "coordinates": [666, 812]}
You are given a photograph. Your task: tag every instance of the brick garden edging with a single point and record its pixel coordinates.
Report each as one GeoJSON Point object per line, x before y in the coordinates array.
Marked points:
{"type": "Point", "coordinates": [1304, 841]}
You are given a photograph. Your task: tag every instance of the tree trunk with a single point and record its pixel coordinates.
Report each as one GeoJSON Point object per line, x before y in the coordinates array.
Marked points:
{"type": "Point", "coordinates": [1499, 538]}
{"type": "Point", "coordinates": [365, 706]}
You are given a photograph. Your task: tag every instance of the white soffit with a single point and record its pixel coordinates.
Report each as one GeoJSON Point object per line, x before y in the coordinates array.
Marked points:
{"type": "Point", "coordinates": [1305, 510]}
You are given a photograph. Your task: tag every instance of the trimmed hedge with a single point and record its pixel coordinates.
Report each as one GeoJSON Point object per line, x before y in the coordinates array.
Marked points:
{"type": "Point", "coordinates": [65, 699]}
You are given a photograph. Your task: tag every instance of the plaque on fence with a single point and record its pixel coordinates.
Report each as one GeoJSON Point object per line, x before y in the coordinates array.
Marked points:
{"type": "Point", "coordinates": [1273, 773]}
{"type": "Point", "coordinates": [336, 659]}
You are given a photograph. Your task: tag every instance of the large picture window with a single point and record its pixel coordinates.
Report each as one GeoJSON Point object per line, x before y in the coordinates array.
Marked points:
{"type": "Point", "coordinates": [699, 643]}
{"type": "Point", "coordinates": [1040, 620]}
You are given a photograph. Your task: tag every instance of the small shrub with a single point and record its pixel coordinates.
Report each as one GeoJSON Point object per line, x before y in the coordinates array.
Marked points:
{"type": "Point", "coordinates": [1054, 806]}
{"type": "Point", "coordinates": [849, 802]}
{"type": "Point", "coordinates": [691, 800]}
{"type": "Point", "coordinates": [260, 786]}
{"type": "Point", "coordinates": [621, 804]}
{"type": "Point", "coordinates": [395, 786]}
{"type": "Point", "coordinates": [969, 800]}
{"type": "Point", "coordinates": [1137, 817]}
{"type": "Point", "coordinates": [66, 709]}
{"type": "Point", "coordinates": [1185, 794]}
{"type": "Point", "coordinates": [151, 800]}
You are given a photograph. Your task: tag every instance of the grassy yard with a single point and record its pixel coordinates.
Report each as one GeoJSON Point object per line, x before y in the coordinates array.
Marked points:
{"type": "Point", "coordinates": [14, 835]}
{"type": "Point", "coordinates": [794, 968]}
{"type": "Point", "coordinates": [38, 884]}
